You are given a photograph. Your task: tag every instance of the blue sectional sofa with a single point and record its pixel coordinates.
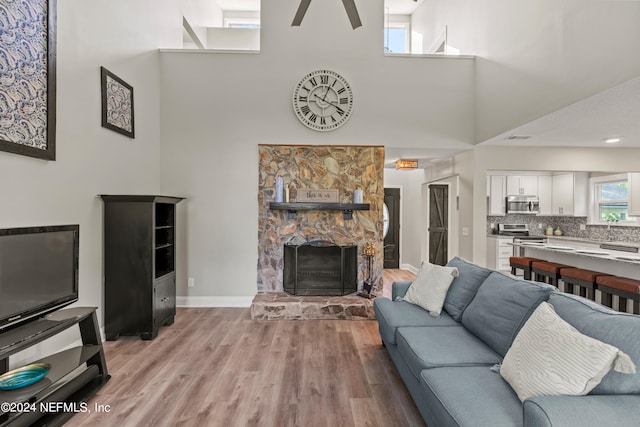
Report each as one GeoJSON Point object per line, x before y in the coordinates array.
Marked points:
{"type": "Point", "coordinates": [448, 362]}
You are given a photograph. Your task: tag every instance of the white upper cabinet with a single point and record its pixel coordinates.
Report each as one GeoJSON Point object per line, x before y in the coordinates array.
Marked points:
{"type": "Point", "coordinates": [524, 185]}
{"type": "Point", "coordinates": [496, 193]}
{"type": "Point", "coordinates": [634, 193]}
{"type": "Point", "coordinates": [570, 194]}
{"type": "Point", "coordinates": [545, 194]}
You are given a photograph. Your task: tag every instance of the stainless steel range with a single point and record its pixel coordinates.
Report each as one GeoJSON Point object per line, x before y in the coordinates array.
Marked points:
{"type": "Point", "coordinates": [520, 233]}
{"type": "Point", "coordinates": [519, 230]}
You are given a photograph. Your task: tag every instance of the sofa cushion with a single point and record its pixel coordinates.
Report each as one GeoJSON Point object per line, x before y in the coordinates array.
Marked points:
{"type": "Point", "coordinates": [393, 314]}
{"type": "Point", "coordinates": [549, 357]}
{"type": "Point", "coordinates": [429, 289]}
{"type": "Point", "coordinates": [603, 410]}
{"type": "Point", "coordinates": [500, 308]}
{"type": "Point", "coordinates": [430, 347]}
{"type": "Point", "coordinates": [464, 287]}
{"type": "Point", "coordinates": [469, 396]}
{"type": "Point", "coordinates": [621, 330]}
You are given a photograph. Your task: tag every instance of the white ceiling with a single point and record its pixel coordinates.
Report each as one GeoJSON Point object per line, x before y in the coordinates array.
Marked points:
{"type": "Point", "coordinates": [614, 112]}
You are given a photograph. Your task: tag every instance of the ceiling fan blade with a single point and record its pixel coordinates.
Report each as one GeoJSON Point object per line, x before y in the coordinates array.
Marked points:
{"type": "Point", "coordinates": [352, 13]}
{"type": "Point", "coordinates": [302, 9]}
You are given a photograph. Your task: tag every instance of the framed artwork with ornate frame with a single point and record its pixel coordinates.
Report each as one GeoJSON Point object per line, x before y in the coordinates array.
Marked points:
{"type": "Point", "coordinates": [117, 104]}
{"type": "Point", "coordinates": [28, 78]}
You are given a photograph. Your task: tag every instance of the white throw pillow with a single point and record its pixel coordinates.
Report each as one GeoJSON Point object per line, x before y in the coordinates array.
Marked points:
{"type": "Point", "coordinates": [549, 357]}
{"type": "Point", "coordinates": [430, 287]}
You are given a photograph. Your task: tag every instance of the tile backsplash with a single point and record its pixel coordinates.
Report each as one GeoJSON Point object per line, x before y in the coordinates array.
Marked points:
{"type": "Point", "coordinates": [570, 227]}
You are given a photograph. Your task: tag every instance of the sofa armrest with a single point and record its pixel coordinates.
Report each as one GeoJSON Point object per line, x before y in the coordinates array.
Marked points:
{"type": "Point", "coordinates": [591, 410]}
{"type": "Point", "coordinates": [398, 289]}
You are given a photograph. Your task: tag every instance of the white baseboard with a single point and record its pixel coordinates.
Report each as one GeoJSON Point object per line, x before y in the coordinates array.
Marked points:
{"type": "Point", "coordinates": [214, 301]}
{"type": "Point", "coordinates": [409, 267]}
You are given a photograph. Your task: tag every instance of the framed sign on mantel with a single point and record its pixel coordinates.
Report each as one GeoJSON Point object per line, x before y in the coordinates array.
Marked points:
{"type": "Point", "coordinates": [28, 78]}
{"type": "Point", "coordinates": [317, 196]}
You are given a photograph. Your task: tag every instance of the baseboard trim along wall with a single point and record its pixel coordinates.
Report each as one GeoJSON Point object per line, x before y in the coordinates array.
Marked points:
{"type": "Point", "coordinates": [214, 301]}
{"type": "Point", "coordinates": [409, 267]}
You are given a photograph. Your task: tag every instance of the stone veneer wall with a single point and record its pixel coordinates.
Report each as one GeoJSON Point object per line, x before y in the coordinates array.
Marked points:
{"type": "Point", "coordinates": [318, 167]}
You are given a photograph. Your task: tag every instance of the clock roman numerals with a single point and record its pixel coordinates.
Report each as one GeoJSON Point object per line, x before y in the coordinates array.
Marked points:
{"type": "Point", "coordinates": [323, 100]}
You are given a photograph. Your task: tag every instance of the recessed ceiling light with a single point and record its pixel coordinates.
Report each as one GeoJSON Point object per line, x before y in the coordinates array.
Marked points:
{"type": "Point", "coordinates": [612, 140]}
{"type": "Point", "coordinates": [518, 137]}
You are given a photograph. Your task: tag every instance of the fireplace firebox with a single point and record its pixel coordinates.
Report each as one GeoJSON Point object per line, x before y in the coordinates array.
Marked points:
{"type": "Point", "coordinates": [320, 269]}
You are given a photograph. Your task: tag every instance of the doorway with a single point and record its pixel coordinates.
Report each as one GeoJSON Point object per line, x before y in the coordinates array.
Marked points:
{"type": "Point", "coordinates": [392, 238]}
{"type": "Point", "coordinates": [438, 223]}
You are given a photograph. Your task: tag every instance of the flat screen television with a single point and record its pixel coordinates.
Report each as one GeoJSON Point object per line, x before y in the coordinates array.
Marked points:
{"type": "Point", "coordinates": [38, 271]}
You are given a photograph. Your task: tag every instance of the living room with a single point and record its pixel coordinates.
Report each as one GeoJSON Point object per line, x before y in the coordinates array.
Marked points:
{"type": "Point", "coordinates": [200, 117]}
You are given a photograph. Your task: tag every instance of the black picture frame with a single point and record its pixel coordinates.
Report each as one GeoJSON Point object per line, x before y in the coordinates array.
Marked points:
{"type": "Point", "coordinates": [117, 104]}
{"type": "Point", "coordinates": [29, 110]}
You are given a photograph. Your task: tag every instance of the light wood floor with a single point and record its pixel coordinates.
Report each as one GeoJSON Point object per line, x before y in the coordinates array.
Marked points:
{"type": "Point", "coordinates": [217, 367]}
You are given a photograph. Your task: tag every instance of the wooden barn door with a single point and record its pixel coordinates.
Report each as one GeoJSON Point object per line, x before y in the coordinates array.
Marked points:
{"type": "Point", "coordinates": [438, 223]}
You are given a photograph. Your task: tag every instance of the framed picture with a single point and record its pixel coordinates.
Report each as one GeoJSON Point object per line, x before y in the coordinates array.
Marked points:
{"type": "Point", "coordinates": [117, 104]}
{"type": "Point", "coordinates": [28, 78]}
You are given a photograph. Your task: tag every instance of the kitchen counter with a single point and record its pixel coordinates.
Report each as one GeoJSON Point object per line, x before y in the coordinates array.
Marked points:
{"type": "Point", "coordinates": [582, 253]}
{"type": "Point", "coordinates": [590, 241]}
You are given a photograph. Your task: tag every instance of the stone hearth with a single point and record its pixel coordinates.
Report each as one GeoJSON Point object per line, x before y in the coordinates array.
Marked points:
{"type": "Point", "coordinates": [284, 306]}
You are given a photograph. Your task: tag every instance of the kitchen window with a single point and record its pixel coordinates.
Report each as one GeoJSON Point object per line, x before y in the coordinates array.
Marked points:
{"type": "Point", "coordinates": [611, 200]}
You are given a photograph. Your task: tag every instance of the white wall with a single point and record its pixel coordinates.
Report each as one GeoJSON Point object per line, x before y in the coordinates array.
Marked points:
{"type": "Point", "coordinates": [233, 38]}
{"type": "Point", "coordinates": [201, 14]}
{"type": "Point", "coordinates": [536, 57]}
{"type": "Point", "coordinates": [92, 160]}
{"type": "Point", "coordinates": [216, 109]}
{"type": "Point", "coordinates": [410, 184]}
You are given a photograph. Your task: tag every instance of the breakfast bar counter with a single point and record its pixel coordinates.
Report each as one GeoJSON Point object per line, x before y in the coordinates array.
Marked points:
{"type": "Point", "coordinates": [590, 255]}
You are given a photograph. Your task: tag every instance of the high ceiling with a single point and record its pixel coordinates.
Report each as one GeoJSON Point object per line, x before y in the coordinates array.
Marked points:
{"type": "Point", "coordinates": [587, 123]}
{"type": "Point", "coordinates": [614, 112]}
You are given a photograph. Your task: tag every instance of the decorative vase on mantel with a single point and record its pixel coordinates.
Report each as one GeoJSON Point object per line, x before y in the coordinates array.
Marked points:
{"type": "Point", "coordinates": [368, 251]}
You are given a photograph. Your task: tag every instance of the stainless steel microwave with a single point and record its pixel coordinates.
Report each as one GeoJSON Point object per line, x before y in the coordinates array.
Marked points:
{"type": "Point", "coordinates": [523, 204]}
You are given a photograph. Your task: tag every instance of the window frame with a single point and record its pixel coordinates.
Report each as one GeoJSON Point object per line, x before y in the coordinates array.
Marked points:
{"type": "Point", "coordinates": [597, 202]}
{"type": "Point", "coordinates": [395, 22]}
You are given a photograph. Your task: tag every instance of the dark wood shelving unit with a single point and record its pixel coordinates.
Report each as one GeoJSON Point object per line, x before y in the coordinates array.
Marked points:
{"type": "Point", "coordinates": [140, 262]}
{"type": "Point", "coordinates": [76, 373]}
{"type": "Point", "coordinates": [293, 207]}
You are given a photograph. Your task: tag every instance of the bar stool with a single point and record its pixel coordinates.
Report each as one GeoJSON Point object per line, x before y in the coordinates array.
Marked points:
{"type": "Point", "coordinates": [547, 272]}
{"type": "Point", "coordinates": [585, 280]}
{"type": "Point", "coordinates": [623, 287]}
{"type": "Point", "coordinates": [522, 263]}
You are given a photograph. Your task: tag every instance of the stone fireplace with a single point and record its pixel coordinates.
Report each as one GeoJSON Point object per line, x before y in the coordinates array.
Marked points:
{"type": "Point", "coordinates": [342, 168]}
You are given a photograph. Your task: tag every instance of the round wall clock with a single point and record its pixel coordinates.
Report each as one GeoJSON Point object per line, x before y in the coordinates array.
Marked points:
{"type": "Point", "coordinates": [323, 100]}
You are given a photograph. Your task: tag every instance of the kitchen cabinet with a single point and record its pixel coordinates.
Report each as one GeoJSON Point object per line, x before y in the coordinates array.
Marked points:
{"type": "Point", "coordinates": [496, 192]}
{"type": "Point", "coordinates": [569, 194]}
{"type": "Point", "coordinates": [545, 194]}
{"type": "Point", "coordinates": [524, 185]}
{"type": "Point", "coordinates": [499, 250]}
{"type": "Point", "coordinates": [634, 193]}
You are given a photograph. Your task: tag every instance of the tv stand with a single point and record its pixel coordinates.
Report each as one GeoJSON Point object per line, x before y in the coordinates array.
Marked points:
{"type": "Point", "coordinates": [76, 374]}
